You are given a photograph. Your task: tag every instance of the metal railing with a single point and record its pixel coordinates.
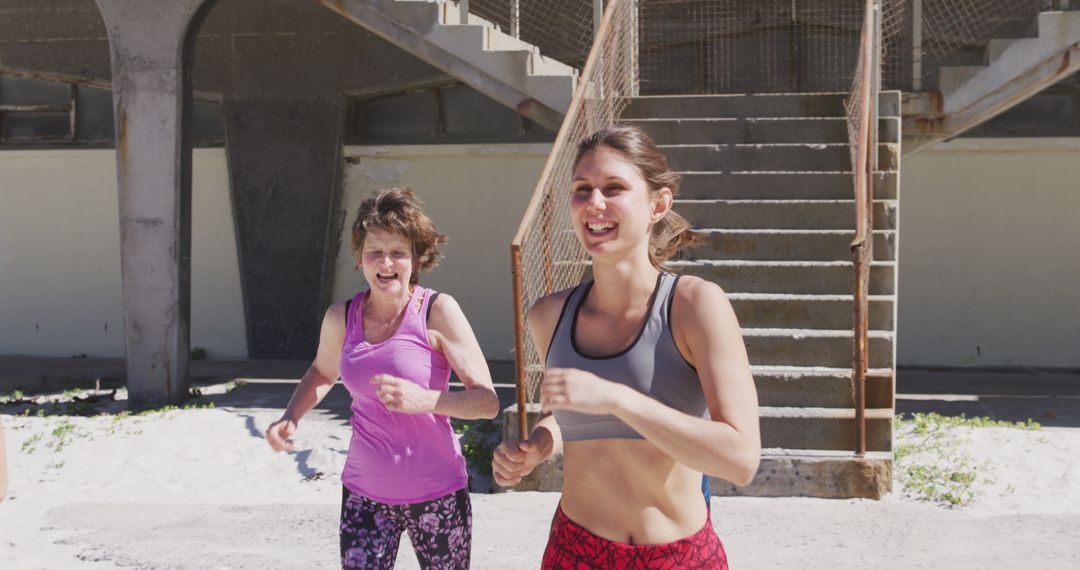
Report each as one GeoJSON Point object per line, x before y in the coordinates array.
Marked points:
{"type": "Point", "coordinates": [862, 119]}
{"type": "Point", "coordinates": [545, 254]}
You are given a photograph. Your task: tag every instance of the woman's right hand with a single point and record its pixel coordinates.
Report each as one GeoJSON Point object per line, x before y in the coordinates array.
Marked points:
{"type": "Point", "coordinates": [513, 460]}
{"type": "Point", "coordinates": [278, 434]}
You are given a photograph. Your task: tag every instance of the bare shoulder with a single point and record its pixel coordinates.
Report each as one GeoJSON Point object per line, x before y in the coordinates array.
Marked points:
{"type": "Point", "coordinates": [444, 304]}
{"type": "Point", "coordinates": [444, 311]}
{"type": "Point", "coordinates": [692, 291]}
{"type": "Point", "coordinates": [548, 307]}
{"type": "Point", "coordinates": [701, 305]}
{"type": "Point", "coordinates": [335, 312]}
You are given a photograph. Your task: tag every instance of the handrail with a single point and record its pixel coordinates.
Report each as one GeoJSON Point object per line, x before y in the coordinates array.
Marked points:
{"type": "Point", "coordinates": [590, 86]}
{"type": "Point", "coordinates": [863, 165]}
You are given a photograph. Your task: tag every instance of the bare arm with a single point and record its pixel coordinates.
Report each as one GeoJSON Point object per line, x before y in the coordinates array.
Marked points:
{"type": "Point", "coordinates": [317, 381]}
{"type": "Point", "coordinates": [728, 445]}
{"type": "Point", "coordinates": [452, 335]}
{"type": "Point", "coordinates": [513, 460]}
{"type": "Point", "coordinates": [449, 332]}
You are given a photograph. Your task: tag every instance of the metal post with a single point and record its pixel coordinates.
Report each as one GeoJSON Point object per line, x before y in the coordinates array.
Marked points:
{"type": "Point", "coordinates": [463, 11]}
{"type": "Point", "coordinates": [515, 18]}
{"type": "Point", "coordinates": [916, 45]}
{"type": "Point", "coordinates": [519, 341]}
{"type": "Point", "coordinates": [73, 116]}
{"type": "Point", "coordinates": [597, 16]}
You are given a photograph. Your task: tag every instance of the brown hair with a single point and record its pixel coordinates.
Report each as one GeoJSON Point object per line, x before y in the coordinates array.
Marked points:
{"type": "Point", "coordinates": [672, 233]}
{"type": "Point", "coordinates": [398, 210]}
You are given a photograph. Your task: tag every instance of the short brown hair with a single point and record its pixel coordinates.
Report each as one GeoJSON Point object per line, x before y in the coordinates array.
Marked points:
{"type": "Point", "coordinates": [398, 210]}
{"type": "Point", "coordinates": [672, 233]}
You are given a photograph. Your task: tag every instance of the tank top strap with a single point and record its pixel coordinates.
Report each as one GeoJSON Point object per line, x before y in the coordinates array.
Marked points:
{"type": "Point", "coordinates": [564, 326]}
{"type": "Point", "coordinates": [353, 316]}
{"type": "Point", "coordinates": [413, 321]}
{"type": "Point", "coordinates": [665, 290]}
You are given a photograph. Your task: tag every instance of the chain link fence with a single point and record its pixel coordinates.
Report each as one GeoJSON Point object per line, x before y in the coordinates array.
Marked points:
{"type": "Point", "coordinates": [547, 255]}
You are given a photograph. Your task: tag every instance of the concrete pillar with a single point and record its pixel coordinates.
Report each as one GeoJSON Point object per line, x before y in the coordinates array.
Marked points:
{"type": "Point", "coordinates": [284, 154]}
{"type": "Point", "coordinates": [149, 46]}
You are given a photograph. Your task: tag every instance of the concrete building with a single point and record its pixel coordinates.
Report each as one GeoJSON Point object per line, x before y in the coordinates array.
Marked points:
{"type": "Point", "coordinates": [116, 240]}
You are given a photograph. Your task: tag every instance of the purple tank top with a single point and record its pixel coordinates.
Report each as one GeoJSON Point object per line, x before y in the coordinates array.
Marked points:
{"type": "Point", "coordinates": [398, 458]}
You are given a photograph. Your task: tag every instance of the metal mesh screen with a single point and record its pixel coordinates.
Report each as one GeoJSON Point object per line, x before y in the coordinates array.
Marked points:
{"type": "Point", "coordinates": [562, 29]}
{"type": "Point", "coordinates": [735, 46]}
{"type": "Point", "coordinates": [548, 257]}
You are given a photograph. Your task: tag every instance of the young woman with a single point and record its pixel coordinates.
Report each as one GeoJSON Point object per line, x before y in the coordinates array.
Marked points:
{"type": "Point", "coordinates": [646, 375]}
{"type": "Point", "coordinates": [393, 346]}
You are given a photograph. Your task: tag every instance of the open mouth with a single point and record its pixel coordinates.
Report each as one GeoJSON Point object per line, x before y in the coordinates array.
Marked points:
{"type": "Point", "coordinates": [600, 228]}
{"type": "Point", "coordinates": [386, 278]}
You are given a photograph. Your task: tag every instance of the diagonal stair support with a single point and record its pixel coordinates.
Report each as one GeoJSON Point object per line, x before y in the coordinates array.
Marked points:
{"type": "Point", "coordinates": [1018, 69]}
{"type": "Point", "coordinates": [504, 68]}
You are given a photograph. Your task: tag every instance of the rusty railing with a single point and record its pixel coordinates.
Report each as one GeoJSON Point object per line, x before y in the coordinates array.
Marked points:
{"type": "Point", "coordinates": [545, 254]}
{"type": "Point", "coordinates": [862, 116]}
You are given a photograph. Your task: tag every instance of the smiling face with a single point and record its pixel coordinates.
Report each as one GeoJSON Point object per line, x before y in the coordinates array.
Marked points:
{"type": "Point", "coordinates": [387, 261]}
{"type": "Point", "coordinates": [611, 205]}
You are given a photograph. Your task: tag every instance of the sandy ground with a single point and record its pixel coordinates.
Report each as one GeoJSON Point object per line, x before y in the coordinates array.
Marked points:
{"type": "Point", "coordinates": [200, 489]}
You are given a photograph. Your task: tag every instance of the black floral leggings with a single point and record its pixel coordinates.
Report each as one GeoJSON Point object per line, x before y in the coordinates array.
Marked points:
{"type": "Point", "coordinates": [440, 531]}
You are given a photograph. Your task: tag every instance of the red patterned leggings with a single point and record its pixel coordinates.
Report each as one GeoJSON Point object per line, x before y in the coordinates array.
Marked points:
{"type": "Point", "coordinates": [571, 547]}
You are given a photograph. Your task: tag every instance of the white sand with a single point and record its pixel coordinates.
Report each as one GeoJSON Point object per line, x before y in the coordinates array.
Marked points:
{"type": "Point", "coordinates": [201, 489]}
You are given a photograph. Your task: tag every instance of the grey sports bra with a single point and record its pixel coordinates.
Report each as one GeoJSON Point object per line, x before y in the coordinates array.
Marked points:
{"type": "Point", "coordinates": [651, 365]}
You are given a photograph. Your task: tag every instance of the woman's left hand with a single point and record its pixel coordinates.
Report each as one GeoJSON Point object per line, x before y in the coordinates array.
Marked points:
{"type": "Point", "coordinates": [578, 391]}
{"type": "Point", "coordinates": [401, 395]}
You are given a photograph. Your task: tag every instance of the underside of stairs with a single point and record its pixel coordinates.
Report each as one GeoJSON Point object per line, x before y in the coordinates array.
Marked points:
{"type": "Point", "coordinates": [767, 179]}
{"type": "Point", "coordinates": [475, 52]}
{"type": "Point", "coordinates": [995, 77]}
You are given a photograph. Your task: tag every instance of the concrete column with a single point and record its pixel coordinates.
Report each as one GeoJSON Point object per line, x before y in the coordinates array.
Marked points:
{"type": "Point", "coordinates": [148, 44]}
{"type": "Point", "coordinates": [284, 155]}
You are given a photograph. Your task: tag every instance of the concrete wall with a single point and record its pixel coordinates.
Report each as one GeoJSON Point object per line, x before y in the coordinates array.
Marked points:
{"type": "Point", "coordinates": [60, 256]}
{"type": "Point", "coordinates": [475, 194]}
{"type": "Point", "coordinates": [988, 254]}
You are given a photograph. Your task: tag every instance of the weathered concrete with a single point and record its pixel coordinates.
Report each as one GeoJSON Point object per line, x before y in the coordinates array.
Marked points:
{"type": "Point", "coordinates": [1018, 69]}
{"type": "Point", "coordinates": [781, 186]}
{"type": "Point", "coordinates": [150, 46]}
{"type": "Point", "coordinates": [285, 199]}
{"type": "Point", "coordinates": [503, 68]}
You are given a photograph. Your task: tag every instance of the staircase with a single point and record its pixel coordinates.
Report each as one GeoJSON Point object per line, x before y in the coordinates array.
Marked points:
{"type": "Point", "coordinates": [767, 180]}
{"type": "Point", "coordinates": [475, 52]}
{"type": "Point", "coordinates": [1005, 72]}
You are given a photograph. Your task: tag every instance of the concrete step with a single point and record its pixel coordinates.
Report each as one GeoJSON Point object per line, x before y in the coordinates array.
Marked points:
{"type": "Point", "coordinates": [750, 105]}
{"type": "Point", "coordinates": [815, 473]}
{"type": "Point", "coordinates": [816, 386]}
{"type": "Point", "coordinates": [830, 312]}
{"type": "Point", "coordinates": [813, 347]}
{"type": "Point", "coordinates": [475, 53]}
{"type": "Point", "coordinates": [758, 131]}
{"type": "Point", "coordinates": [832, 157]}
{"type": "Point", "coordinates": [796, 277]}
{"type": "Point", "coordinates": [784, 472]}
{"type": "Point", "coordinates": [786, 245]}
{"type": "Point", "coordinates": [823, 428]}
{"type": "Point", "coordinates": [782, 214]}
{"type": "Point", "coordinates": [781, 186]}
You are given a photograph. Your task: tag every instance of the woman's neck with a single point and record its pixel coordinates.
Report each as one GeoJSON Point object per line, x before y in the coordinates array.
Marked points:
{"type": "Point", "coordinates": [623, 284]}
{"type": "Point", "coordinates": [386, 307]}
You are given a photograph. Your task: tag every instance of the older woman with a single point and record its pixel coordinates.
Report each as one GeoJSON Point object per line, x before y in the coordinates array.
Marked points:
{"type": "Point", "coordinates": [646, 374]}
{"type": "Point", "coordinates": [393, 346]}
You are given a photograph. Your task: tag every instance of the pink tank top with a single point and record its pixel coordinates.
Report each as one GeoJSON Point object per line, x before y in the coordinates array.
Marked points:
{"type": "Point", "coordinates": [398, 458]}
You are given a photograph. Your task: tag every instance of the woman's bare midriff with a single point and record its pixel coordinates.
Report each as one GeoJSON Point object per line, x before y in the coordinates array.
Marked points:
{"type": "Point", "coordinates": [628, 491]}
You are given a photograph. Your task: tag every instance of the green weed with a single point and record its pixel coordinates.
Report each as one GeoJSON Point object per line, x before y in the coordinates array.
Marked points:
{"type": "Point", "coordinates": [930, 460]}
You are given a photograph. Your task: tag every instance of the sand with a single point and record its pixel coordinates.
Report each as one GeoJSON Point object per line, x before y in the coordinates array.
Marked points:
{"type": "Point", "coordinates": [200, 489]}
